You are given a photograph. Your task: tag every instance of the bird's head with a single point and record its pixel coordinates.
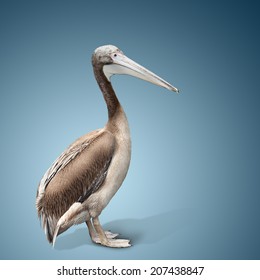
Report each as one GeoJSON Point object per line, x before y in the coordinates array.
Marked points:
{"type": "Point", "coordinates": [113, 61]}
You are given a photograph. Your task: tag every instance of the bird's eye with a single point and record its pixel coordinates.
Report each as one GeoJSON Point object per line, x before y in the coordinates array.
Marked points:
{"type": "Point", "coordinates": [115, 55]}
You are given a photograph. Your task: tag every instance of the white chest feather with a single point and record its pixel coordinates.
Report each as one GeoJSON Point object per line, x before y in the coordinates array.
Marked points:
{"type": "Point", "coordinates": [116, 173]}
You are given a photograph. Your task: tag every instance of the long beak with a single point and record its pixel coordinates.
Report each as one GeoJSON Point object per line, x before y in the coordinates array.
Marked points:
{"type": "Point", "coordinates": [124, 65]}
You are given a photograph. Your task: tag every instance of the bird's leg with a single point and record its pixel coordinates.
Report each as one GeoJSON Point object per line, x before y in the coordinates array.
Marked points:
{"type": "Point", "coordinates": [92, 231]}
{"type": "Point", "coordinates": [94, 236]}
{"type": "Point", "coordinates": [105, 240]}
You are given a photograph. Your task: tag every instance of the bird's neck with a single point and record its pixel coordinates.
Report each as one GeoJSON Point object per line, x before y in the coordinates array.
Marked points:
{"type": "Point", "coordinates": [113, 104]}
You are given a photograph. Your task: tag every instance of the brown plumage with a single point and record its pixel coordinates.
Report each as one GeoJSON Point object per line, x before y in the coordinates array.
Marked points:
{"type": "Point", "coordinates": [82, 181]}
{"type": "Point", "coordinates": [76, 167]}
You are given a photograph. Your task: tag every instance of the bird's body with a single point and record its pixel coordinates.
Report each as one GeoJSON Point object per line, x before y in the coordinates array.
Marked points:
{"type": "Point", "coordinates": [82, 181]}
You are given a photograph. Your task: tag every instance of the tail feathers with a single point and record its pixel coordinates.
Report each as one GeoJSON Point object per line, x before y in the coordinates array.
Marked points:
{"type": "Point", "coordinates": [56, 232]}
{"type": "Point", "coordinates": [54, 226]}
{"type": "Point", "coordinates": [53, 229]}
{"type": "Point", "coordinates": [49, 225]}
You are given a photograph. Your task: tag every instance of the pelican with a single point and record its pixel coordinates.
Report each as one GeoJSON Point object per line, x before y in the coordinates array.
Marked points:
{"type": "Point", "coordinates": [84, 178]}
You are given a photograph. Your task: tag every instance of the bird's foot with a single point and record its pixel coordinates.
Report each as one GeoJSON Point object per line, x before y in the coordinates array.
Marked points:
{"type": "Point", "coordinates": [105, 238]}
{"type": "Point", "coordinates": [109, 235]}
{"type": "Point", "coordinates": [110, 241]}
{"type": "Point", "coordinates": [117, 243]}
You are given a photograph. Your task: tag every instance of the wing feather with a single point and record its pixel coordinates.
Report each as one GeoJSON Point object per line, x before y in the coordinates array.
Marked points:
{"type": "Point", "coordinates": [76, 174]}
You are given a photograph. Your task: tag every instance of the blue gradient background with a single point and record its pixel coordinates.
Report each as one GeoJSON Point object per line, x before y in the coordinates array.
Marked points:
{"type": "Point", "coordinates": [192, 191]}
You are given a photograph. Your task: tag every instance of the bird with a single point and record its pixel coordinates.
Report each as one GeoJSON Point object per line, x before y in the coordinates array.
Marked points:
{"type": "Point", "coordinates": [83, 179]}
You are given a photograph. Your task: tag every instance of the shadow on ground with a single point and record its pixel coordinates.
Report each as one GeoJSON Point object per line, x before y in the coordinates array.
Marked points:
{"type": "Point", "coordinates": [140, 231]}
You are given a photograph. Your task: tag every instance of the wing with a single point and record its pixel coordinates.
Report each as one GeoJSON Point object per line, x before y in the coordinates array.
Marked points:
{"type": "Point", "coordinates": [76, 174]}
